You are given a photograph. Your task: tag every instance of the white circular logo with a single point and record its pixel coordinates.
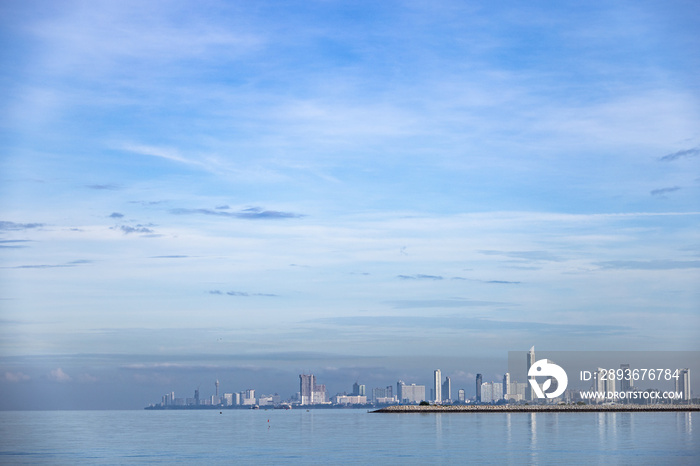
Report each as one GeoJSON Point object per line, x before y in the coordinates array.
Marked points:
{"type": "Point", "coordinates": [544, 368]}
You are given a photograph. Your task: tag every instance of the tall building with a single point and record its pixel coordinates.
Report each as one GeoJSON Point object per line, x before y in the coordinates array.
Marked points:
{"type": "Point", "coordinates": [603, 383]}
{"type": "Point", "coordinates": [447, 390]}
{"type": "Point", "coordinates": [319, 394]}
{"type": "Point", "coordinates": [506, 385]}
{"type": "Point", "coordinates": [306, 388]}
{"type": "Point", "coordinates": [683, 383]}
{"type": "Point", "coordinates": [529, 395]}
{"type": "Point", "coordinates": [356, 389]}
{"type": "Point", "coordinates": [478, 387]}
{"type": "Point", "coordinates": [309, 392]}
{"type": "Point", "coordinates": [626, 384]}
{"type": "Point", "coordinates": [437, 386]}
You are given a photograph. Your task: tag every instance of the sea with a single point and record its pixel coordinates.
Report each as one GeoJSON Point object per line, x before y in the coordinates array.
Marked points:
{"type": "Point", "coordinates": [346, 436]}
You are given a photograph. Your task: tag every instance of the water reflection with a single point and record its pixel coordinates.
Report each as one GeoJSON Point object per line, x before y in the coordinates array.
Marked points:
{"type": "Point", "coordinates": [532, 424]}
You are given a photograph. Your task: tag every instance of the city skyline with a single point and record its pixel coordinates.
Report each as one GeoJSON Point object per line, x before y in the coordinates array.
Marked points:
{"type": "Point", "coordinates": [369, 190]}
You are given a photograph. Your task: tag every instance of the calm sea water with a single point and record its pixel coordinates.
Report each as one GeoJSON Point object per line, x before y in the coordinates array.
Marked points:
{"type": "Point", "coordinates": [346, 436]}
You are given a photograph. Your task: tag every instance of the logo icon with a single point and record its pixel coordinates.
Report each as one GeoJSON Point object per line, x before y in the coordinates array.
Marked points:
{"type": "Point", "coordinates": [545, 368]}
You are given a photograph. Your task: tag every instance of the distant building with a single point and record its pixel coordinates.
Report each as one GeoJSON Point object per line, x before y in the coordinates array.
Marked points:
{"type": "Point", "coordinates": [358, 390]}
{"type": "Point", "coordinates": [410, 393]}
{"type": "Point", "coordinates": [683, 383]}
{"type": "Point", "coordinates": [349, 400]}
{"type": "Point", "coordinates": [626, 384]}
{"type": "Point", "coordinates": [269, 400]}
{"type": "Point", "coordinates": [515, 391]}
{"type": "Point", "coordinates": [461, 395]}
{"type": "Point", "coordinates": [529, 395]}
{"type": "Point", "coordinates": [478, 387]}
{"type": "Point", "coordinates": [248, 397]}
{"type": "Point", "coordinates": [306, 388]}
{"type": "Point", "coordinates": [603, 383]}
{"type": "Point", "coordinates": [386, 400]}
{"type": "Point", "coordinates": [491, 392]}
{"type": "Point", "coordinates": [437, 386]}
{"type": "Point", "coordinates": [447, 390]}
{"type": "Point", "coordinates": [379, 392]}
{"type": "Point", "coordinates": [309, 392]}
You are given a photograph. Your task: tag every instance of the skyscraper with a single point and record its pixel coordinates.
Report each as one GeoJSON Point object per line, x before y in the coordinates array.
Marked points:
{"type": "Point", "coordinates": [478, 387]}
{"type": "Point", "coordinates": [530, 361]}
{"type": "Point", "coordinates": [626, 383]}
{"type": "Point", "coordinates": [437, 386]}
{"type": "Point", "coordinates": [447, 390]}
{"type": "Point", "coordinates": [306, 388]}
{"type": "Point", "coordinates": [506, 385]}
{"type": "Point", "coordinates": [683, 383]}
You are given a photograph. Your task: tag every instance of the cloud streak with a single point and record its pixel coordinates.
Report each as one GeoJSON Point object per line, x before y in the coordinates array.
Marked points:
{"type": "Point", "coordinates": [12, 226]}
{"type": "Point", "coordinates": [472, 324]}
{"type": "Point", "coordinates": [252, 213]}
{"type": "Point", "coordinates": [694, 152]}
{"type": "Point", "coordinates": [241, 293]}
{"type": "Point", "coordinates": [661, 264]}
{"type": "Point", "coordinates": [442, 303]}
{"type": "Point", "coordinates": [534, 256]}
{"type": "Point", "coordinates": [420, 277]}
{"type": "Point", "coordinates": [14, 243]}
{"type": "Point", "coordinates": [662, 191]}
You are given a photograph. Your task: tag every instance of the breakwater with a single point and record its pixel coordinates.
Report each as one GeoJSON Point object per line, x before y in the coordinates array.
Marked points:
{"type": "Point", "coordinates": [536, 408]}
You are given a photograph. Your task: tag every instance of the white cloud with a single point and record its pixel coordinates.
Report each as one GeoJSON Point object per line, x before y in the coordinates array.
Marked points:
{"type": "Point", "coordinates": [16, 377]}
{"type": "Point", "coordinates": [57, 375]}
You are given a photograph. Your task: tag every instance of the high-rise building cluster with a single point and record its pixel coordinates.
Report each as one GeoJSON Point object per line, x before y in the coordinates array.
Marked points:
{"type": "Point", "coordinates": [504, 390]}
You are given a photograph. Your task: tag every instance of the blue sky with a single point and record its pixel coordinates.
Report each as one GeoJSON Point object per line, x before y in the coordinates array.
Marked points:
{"type": "Point", "coordinates": [365, 190]}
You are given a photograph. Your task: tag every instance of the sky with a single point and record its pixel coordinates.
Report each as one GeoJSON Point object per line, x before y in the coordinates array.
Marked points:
{"type": "Point", "coordinates": [366, 191]}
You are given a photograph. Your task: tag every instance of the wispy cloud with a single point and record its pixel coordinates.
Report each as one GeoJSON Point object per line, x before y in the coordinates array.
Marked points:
{"type": "Point", "coordinates": [116, 215]}
{"type": "Point", "coordinates": [441, 303]}
{"type": "Point", "coordinates": [535, 256]}
{"type": "Point", "coordinates": [694, 152]}
{"type": "Point", "coordinates": [252, 213]}
{"type": "Point", "coordinates": [104, 187]}
{"type": "Point", "coordinates": [126, 229]}
{"type": "Point", "coordinates": [662, 191]}
{"type": "Point", "coordinates": [472, 324]}
{"type": "Point", "coordinates": [74, 263]}
{"type": "Point", "coordinates": [661, 264]}
{"type": "Point", "coordinates": [419, 277]}
{"type": "Point", "coordinates": [14, 243]}
{"type": "Point", "coordinates": [16, 377]}
{"type": "Point", "coordinates": [241, 293]}
{"type": "Point", "coordinates": [160, 152]}
{"type": "Point", "coordinates": [12, 226]}
{"type": "Point", "coordinates": [57, 375]}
